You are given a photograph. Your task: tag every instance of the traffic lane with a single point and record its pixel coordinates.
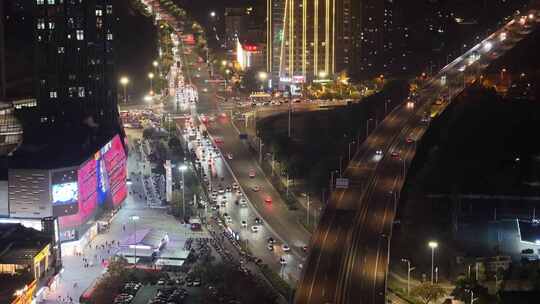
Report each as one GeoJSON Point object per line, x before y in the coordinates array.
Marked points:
{"type": "Point", "coordinates": [256, 240]}
{"type": "Point", "coordinates": [275, 213]}
{"type": "Point", "coordinates": [325, 258]}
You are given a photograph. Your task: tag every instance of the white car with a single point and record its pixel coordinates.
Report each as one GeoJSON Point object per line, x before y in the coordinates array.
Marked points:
{"type": "Point", "coordinates": [282, 261]}
{"type": "Point", "coordinates": [255, 228]}
{"type": "Point", "coordinates": [255, 188]}
{"type": "Point", "coordinates": [378, 152]}
{"type": "Point", "coordinates": [244, 224]}
{"type": "Point", "coordinates": [285, 248]}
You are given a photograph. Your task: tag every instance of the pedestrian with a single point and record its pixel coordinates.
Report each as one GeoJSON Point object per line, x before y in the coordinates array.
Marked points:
{"type": "Point", "coordinates": [124, 227]}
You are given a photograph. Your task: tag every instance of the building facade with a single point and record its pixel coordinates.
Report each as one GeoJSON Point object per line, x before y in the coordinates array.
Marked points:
{"type": "Point", "coordinates": [74, 74]}
{"type": "Point", "coordinates": [301, 39]}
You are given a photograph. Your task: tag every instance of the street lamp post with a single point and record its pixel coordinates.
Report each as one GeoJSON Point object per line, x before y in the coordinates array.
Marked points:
{"type": "Point", "coordinates": [263, 76]}
{"type": "Point", "coordinates": [409, 269]}
{"type": "Point", "coordinates": [307, 209]}
{"type": "Point", "coordinates": [352, 142]}
{"type": "Point", "coordinates": [151, 77]}
{"type": "Point", "coordinates": [124, 81]}
{"type": "Point", "coordinates": [433, 245]}
{"type": "Point", "coordinates": [183, 168]}
{"type": "Point", "coordinates": [367, 126]}
{"type": "Point", "coordinates": [135, 218]}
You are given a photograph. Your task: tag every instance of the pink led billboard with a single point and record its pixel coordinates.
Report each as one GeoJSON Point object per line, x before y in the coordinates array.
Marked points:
{"type": "Point", "coordinates": [101, 183]}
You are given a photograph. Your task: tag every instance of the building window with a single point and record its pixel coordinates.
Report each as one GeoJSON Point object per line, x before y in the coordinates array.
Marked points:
{"type": "Point", "coordinates": [50, 2]}
{"type": "Point", "coordinates": [99, 12]}
{"type": "Point", "coordinates": [61, 50]}
{"type": "Point", "coordinates": [81, 92]}
{"type": "Point", "coordinates": [109, 36]}
{"type": "Point", "coordinates": [40, 2]}
{"type": "Point", "coordinates": [80, 35]}
{"type": "Point", "coordinates": [72, 91]}
{"type": "Point", "coordinates": [99, 23]}
{"type": "Point", "coordinates": [109, 9]}
{"type": "Point", "coordinates": [53, 94]}
{"type": "Point", "coordinates": [41, 24]}
{"type": "Point", "coordinates": [51, 25]}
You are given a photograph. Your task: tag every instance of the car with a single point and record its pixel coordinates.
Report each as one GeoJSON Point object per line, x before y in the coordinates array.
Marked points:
{"type": "Point", "coordinates": [238, 192]}
{"type": "Point", "coordinates": [205, 90]}
{"type": "Point", "coordinates": [244, 224]}
{"type": "Point", "coordinates": [258, 221]}
{"type": "Point", "coordinates": [270, 240]}
{"type": "Point", "coordinates": [228, 189]}
{"type": "Point", "coordinates": [304, 248]}
{"type": "Point", "coordinates": [229, 156]}
{"type": "Point", "coordinates": [251, 173]}
{"type": "Point", "coordinates": [395, 154]}
{"type": "Point", "coordinates": [255, 188]}
{"type": "Point", "coordinates": [378, 152]}
{"type": "Point", "coordinates": [268, 200]}
{"type": "Point", "coordinates": [270, 247]}
{"type": "Point", "coordinates": [282, 261]}
{"type": "Point", "coordinates": [255, 228]}
{"type": "Point", "coordinates": [243, 202]}
{"type": "Point", "coordinates": [235, 186]}
{"type": "Point", "coordinates": [410, 140]}
{"type": "Point", "coordinates": [285, 248]}
{"type": "Point", "coordinates": [221, 191]}
{"type": "Point", "coordinates": [218, 140]}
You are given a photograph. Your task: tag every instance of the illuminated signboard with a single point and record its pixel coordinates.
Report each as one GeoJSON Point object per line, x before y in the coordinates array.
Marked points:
{"type": "Point", "coordinates": [101, 181]}
{"type": "Point", "coordinates": [65, 192]}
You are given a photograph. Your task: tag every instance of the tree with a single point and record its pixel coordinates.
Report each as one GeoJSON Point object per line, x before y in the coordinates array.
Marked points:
{"type": "Point", "coordinates": [428, 293]}
{"type": "Point", "coordinates": [249, 80]}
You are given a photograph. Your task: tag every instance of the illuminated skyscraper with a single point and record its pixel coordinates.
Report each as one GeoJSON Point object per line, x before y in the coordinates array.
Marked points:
{"type": "Point", "coordinates": [300, 39]}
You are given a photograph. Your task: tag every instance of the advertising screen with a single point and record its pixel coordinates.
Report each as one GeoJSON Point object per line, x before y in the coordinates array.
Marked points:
{"type": "Point", "coordinates": [115, 173]}
{"type": "Point", "coordinates": [87, 199]}
{"type": "Point", "coordinates": [65, 192]}
{"type": "Point", "coordinates": [101, 182]}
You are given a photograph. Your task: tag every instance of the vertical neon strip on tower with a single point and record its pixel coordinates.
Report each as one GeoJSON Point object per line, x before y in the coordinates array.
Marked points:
{"type": "Point", "coordinates": [269, 37]}
{"type": "Point", "coordinates": [316, 39]}
{"type": "Point", "coordinates": [304, 37]}
{"type": "Point", "coordinates": [291, 38]}
{"type": "Point", "coordinates": [332, 62]}
{"type": "Point", "coordinates": [283, 35]}
{"type": "Point", "coordinates": [327, 37]}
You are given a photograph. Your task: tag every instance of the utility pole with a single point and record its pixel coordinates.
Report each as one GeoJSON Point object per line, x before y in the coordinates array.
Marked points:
{"type": "Point", "coordinates": [307, 209]}
{"type": "Point", "coordinates": [260, 150]}
{"type": "Point", "coordinates": [2, 55]}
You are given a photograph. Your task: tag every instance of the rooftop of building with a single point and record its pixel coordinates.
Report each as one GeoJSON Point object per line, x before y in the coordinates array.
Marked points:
{"type": "Point", "coordinates": [18, 243]}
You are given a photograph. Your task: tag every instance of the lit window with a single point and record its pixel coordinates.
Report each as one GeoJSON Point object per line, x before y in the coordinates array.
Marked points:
{"type": "Point", "coordinates": [81, 92]}
{"type": "Point", "coordinates": [99, 12]}
{"type": "Point", "coordinates": [40, 2]}
{"type": "Point", "coordinates": [61, 50]}
{"type": "Point", "coordinates": [72, 91]}
{"type": "Point", "coordinates": [109, 9]}
{"type": "Point", "coordinates": [51, 25]}
{"type": "Point", "coordinates": [41, 24]}
{"type": "Point", "coordinates": [53, 94]}
{"type": "Point", "coordinates": [51, 2]}
{"type": "Point", "coordinates": [109, 36]}
{"type": "Point", "coordinates": [80, 35]}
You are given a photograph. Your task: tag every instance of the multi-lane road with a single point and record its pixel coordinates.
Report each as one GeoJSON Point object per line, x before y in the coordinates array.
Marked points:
{"type": "Point", "coordinates": [348, 261]}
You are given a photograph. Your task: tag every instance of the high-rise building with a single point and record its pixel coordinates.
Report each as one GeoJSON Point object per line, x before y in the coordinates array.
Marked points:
{"type": "Point", "coordinates": [234, 20]}
{"type": "Point", "coordinates": [300, 40]}
{"type": "Point", "coordinates": [74, 74]}
{"type": "Point", "coordinates": [366, 37]}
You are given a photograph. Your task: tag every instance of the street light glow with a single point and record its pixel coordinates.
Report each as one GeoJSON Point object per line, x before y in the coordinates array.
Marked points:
{"type": "Point", "coordinates": [151, 75]}
{"type": "Point", "coordinates": [323, 74]}
{"type": "Point", "coordinates": [263, 76]}
{"type": "Point", "coordinates": [212, 14]}
{"type": "Point", "coordinates": [488, 46]}
{"type": "Point", "coordinates": [124, 80]}
{"type": "Point", "coordinates": [224, 62]}
{"type": "Point", "coordinates": [182, 168]}
{"type": "Point", "coordinates": [155, 63]}
{"type": "Point", "coordinates": [134, 217]}
{"type": "Point", "coordinates": [433, 244]}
